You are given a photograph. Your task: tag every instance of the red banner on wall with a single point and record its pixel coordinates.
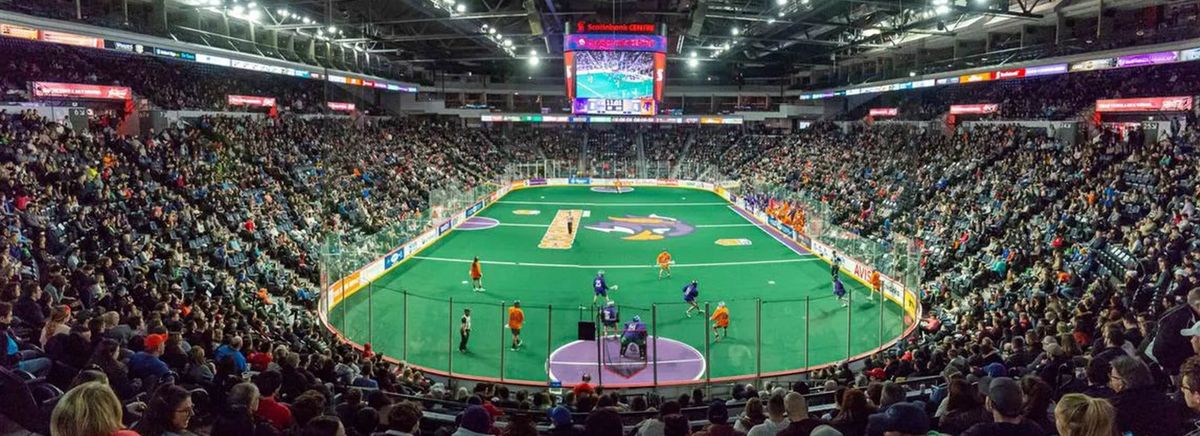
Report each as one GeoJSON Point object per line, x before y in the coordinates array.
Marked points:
{"type": "Point", "coordinates": [884, 112]}
{"type": "Point", "coordinates": [79, 90]}
{"type": "Point", "coordinates": [250, 100]}
{"type": "Point", "coordinates": [1152, 104]}
{"type": "Point", "coordinates": [339, 106]}
{"type": "Point", "coordinates": [974, 109]}
{"type": "Point", "coordinates": [72, 39]}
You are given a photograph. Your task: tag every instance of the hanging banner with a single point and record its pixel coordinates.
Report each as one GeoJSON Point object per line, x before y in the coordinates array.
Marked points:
{"type": "Point", "coordinates": [250, 100]}
{"type": "Point", "coordinates": [884, 111]}
{"type": "Point", "coordinates": [79, 90]}
{"type": "Point", "coordinates": [339, 106]}
{"type": "Point", "coordinates": [1152, 104]}
{"type": "Point", "coordinates": [974, 109]}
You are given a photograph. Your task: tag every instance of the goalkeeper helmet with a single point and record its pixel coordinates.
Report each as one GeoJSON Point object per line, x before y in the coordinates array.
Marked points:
{"type": "Point", "coordinates": [637, 318]}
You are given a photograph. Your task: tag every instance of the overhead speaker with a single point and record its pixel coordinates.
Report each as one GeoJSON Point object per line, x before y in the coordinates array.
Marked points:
{"type": "Point", "coordinates": [698, 15]}
{"type": "Point", "coordinates": [535, 18]}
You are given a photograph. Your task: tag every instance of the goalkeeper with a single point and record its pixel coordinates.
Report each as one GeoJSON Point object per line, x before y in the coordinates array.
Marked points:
{"type": "Point", "coordinates": [635, 333]}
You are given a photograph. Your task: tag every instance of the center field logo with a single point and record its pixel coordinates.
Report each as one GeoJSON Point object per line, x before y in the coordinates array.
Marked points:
{"type": "Point", "coordinates": [644, 228]}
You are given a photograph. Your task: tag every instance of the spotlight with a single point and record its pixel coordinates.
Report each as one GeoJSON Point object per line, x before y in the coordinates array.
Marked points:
{"type": "Point", "coordinates": [942, 10]}
{"type": "Point", "coordinates": [534, 61]}
{"type": "Point", "coordinates": [781, 2]}
{"type": "Point", "coordinates": [508, 43]}
{"type": "Point", "coordinates": [492, 30]}
{"type": "Point", "coordinates": [460, 8]}
{"type": "Point", "coordinates": [692, 54]}
{"type": "Point", "coordinates": [254, 15]}
{"type": "Point", "coordinates": [692, 63]}
{"type": "Point", "coordinates": [912, 73]}
{"type": "Point", "coordinates": [237, 9]}
{"type": "Point", "coordinates": [770, 21]}
{"type": "Point", "coordinates": [332, 29]}
{"type": "Point", "coordinates": [781, 14]}
{"type": "Point", "coordinates": [305, 20]}
{"type": "Point", "coordinates": [484, 27]}
{"type": "Point", "coordinates": [281, 12]}
{"type": "Point", "coordinates": [735, 31]}
{"type": "Point", "coordinates": [252, 5]}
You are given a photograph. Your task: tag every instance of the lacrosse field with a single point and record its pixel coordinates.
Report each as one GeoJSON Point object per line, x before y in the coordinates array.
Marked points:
{"type": "Point", "coordinates": [784, 318]}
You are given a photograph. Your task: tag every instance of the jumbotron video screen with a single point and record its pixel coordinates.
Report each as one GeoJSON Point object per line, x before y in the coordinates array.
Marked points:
{"type": "Point", "coordinates": [615, 74]}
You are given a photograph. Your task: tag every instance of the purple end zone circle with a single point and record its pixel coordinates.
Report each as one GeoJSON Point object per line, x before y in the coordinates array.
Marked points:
{"type": "Point", "coordinates": [478, 223]}
{"type": "Point", "coordinates": [677, 361]}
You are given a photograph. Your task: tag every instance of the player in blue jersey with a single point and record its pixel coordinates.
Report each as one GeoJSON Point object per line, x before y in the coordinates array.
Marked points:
{"type": "Point", "coordinates": [840, 291]}
{"type": "Point", "coordinates": [690, 292]}
{"type": "Point", "coordinates": [600, 287]}
{"type": "Point", "coordinates": [635, 333]}
{"type": "Point", "coordinates": [609, 317]}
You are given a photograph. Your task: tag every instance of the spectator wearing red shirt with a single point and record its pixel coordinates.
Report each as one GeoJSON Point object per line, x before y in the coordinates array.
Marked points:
{"type": "Point", "coordinates": [277, 413]}
{"type": "Point", "coordinates": [261, 358]}
{"type": "Point", "coordinates": [584, 387]}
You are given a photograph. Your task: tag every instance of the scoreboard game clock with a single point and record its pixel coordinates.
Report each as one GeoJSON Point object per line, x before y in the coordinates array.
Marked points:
{"type": "Point", "coordinates": [614, 69]}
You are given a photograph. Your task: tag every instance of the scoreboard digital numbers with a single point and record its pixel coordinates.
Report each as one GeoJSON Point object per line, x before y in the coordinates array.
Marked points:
{"type": "Point", "coordinates": [615, 106]}
{"type": "Point", "coordinates": [614, 73]}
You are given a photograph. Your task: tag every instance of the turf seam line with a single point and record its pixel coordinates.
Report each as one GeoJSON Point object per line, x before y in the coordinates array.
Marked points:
{"type": "Point", "coordinates": [805, 258]}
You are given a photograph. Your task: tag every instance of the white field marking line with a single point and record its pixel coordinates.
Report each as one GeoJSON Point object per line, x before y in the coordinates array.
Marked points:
{"type": "Point", "coordinates": [766, 229]}
{"type": "Point", "coordinates": [523, 225]}
{"type": "Point", "coordinates": [709, 226]}
{"type": "Point", "coordinates": [806, 258]}
{"type": "Point", "coordinates": [561, 203]}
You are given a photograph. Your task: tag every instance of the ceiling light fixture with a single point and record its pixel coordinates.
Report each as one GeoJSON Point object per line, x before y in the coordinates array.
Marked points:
{"type": "Point", "coordinates": [460, 8]}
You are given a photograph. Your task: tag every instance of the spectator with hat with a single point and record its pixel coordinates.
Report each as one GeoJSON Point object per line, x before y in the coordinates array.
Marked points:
{"type": "Point", "coordinates": [148, 362]}
{"type": "Point", "coordinates": [902, 419]}
{"type": "Point", "coordinates": [475, 421]}
{"type": "Point", "coordinates": [561, 423]}
{"type": "Point", "coordinates": [1005, 401]}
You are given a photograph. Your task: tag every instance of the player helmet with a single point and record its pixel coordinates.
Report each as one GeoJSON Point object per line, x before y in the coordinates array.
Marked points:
{"type": "Point", "coordinates": [600, 273]}
{"type": "Point", "coordinates": [721, 304]}
{"type": "Point", "coordinates": [637, 318]}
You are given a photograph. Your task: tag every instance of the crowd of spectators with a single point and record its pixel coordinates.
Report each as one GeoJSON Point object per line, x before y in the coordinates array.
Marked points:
{"type": "Point", "coordinates": [164, 281]}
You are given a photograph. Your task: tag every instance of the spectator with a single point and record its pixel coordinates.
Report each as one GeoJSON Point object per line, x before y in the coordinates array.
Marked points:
{"type": "Point", "coordinates": [56, 325]}
{"type": "Point", "coordinates": [601, 422]}
{"type": "Point", "coordinates": [269, 408]}
{"type": "Point", "coordinates": [324, 426]}
{"type": "Point", "coordinates": [1171, 345]}
{"type": "Point", "coordinates": [168, 412]}
{"type": "Point", "coordinates": [404, 419]}
{"type": "Point", "coordinates": [752, 415]}
{"type": "Point", "coordinates": [963, 409]}
{"type": "Point", "coordinates": [853, 413]}
{"type": "Point", "coordinates": [656, 427]}
{"type": "Point", "coordinates": [90, 409]}
{"type": "Point", "coordinates": [1004, 400]}
{"type": "Point", "coordinates": [238, 416]}
{"type": "Point", "coordinates": [1081, 415]}
{"type": "Point", "coordinates": [902, 418]}
{"type": "Point", "coordinates": [234, 350]}
{"type": "Point", "coordinates": [584, 387]}
{"type": "Point", "coordinates": [14, 356]}
{"type": "Point", "coordinates": [718, 421]}
{"type": "Point", "coordinates": [676, 425]}
{"type": "Point", "coordinates": [1141, 407]}
{"type": "Point", "coordinates": [475, 421]}
{"type": "Point", "coordinates": [776, 418]}
{"type": "Point", "coordinates": [797, 411]}
{"type": "Point", "coordinates": [561, 423]}
{"type": "Point", "coordinates": [147, 363]}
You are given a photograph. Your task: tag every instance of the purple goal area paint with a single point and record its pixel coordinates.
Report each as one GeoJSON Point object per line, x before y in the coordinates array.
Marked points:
{"type": "Point", "coordinates": [478, 223]}
{"type": "Point", "coordinates": [676, 362]}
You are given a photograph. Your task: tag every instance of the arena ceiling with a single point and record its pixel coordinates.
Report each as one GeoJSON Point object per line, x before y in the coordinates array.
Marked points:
{"type": "Point", "coordinates": [768, 41]}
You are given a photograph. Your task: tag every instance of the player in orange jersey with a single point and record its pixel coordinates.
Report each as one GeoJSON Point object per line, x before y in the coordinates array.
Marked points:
{"type": "Point", "coordinates": [664, 264]}
{"type": "Point", "coordinates": [516, 319]}
{"type": "Point", "coordinates": [476, 275]}
{"type": "Point", "coordinates": [720, 319]}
